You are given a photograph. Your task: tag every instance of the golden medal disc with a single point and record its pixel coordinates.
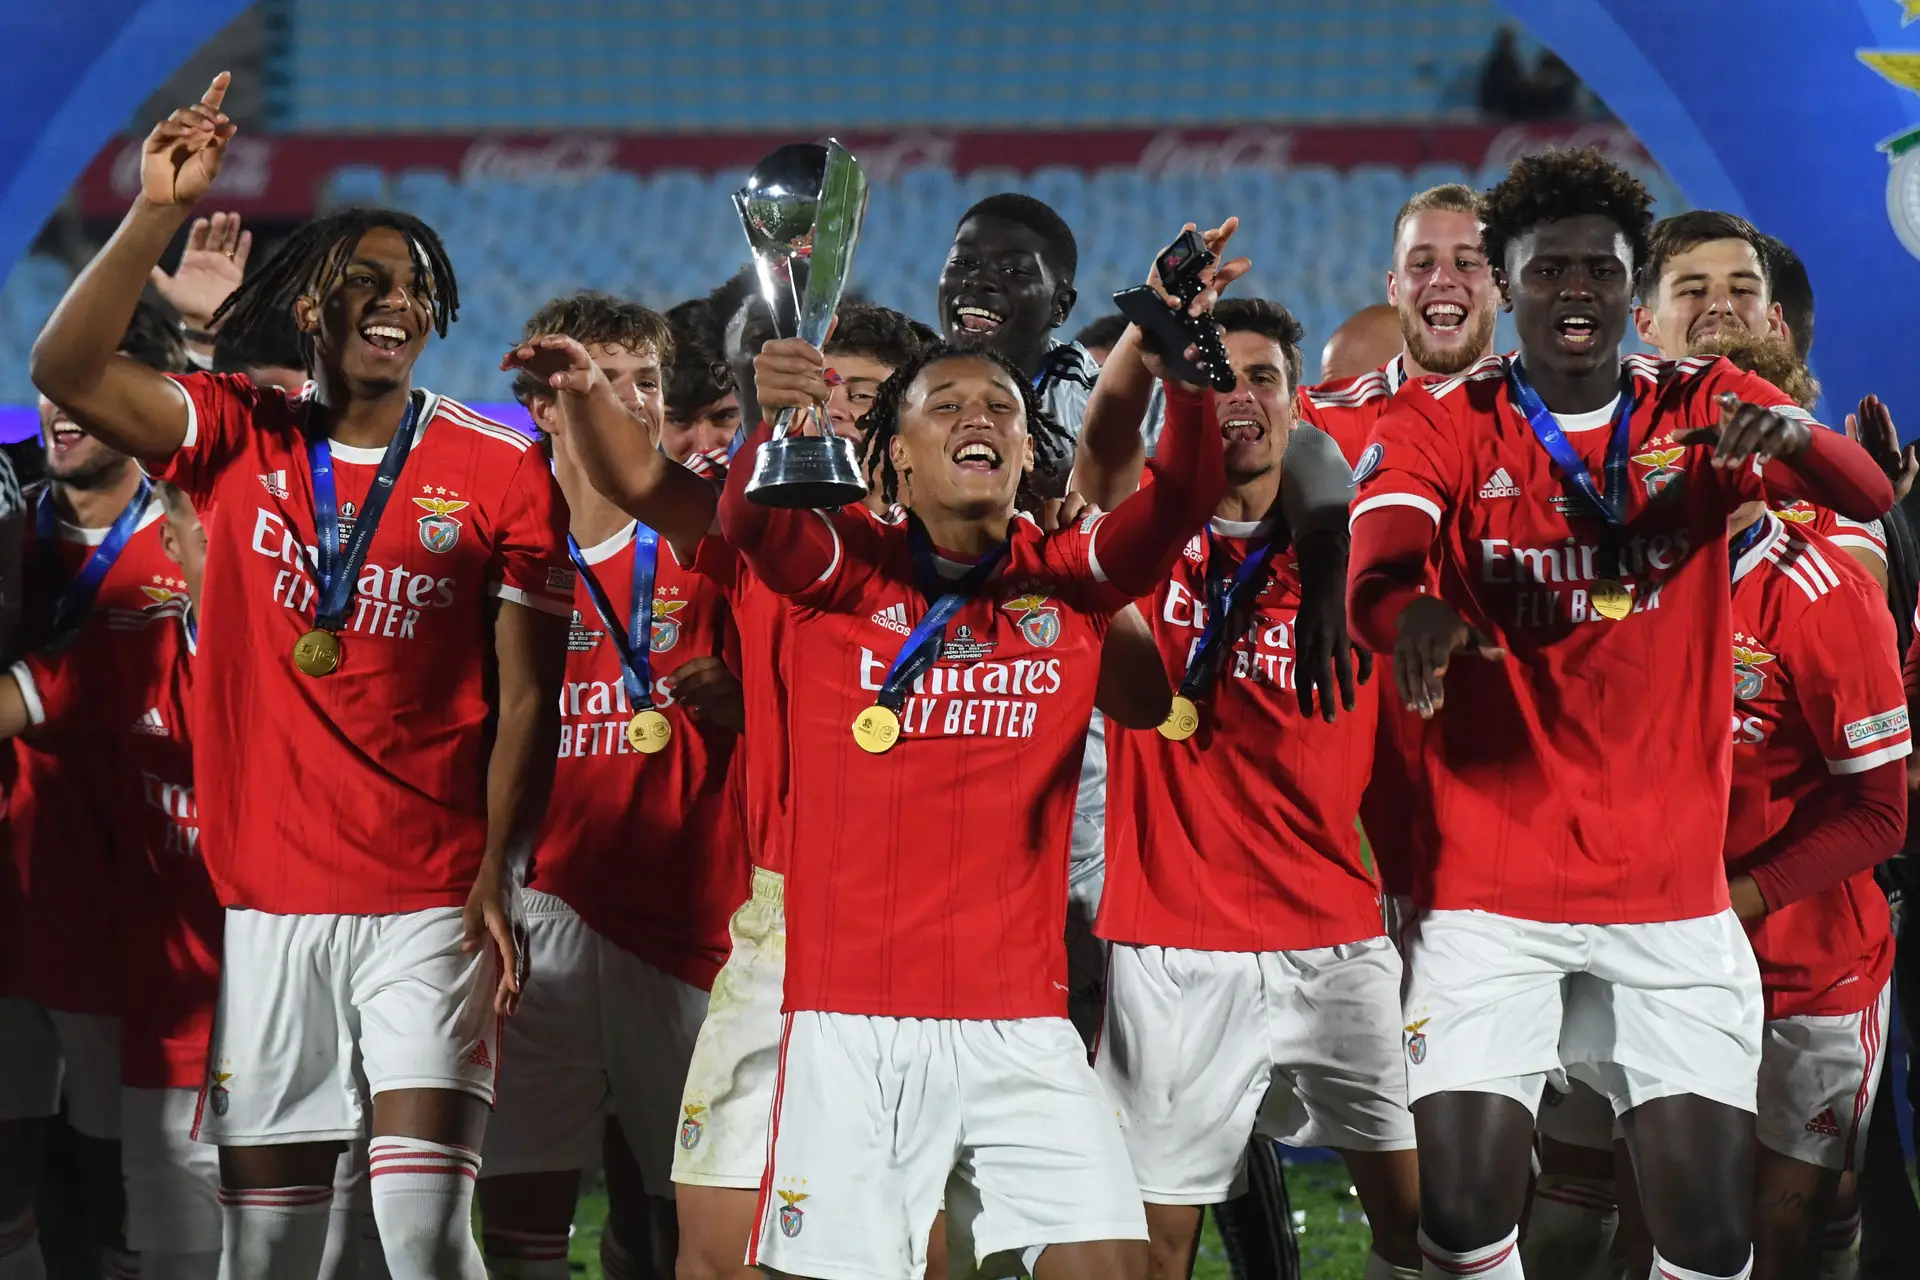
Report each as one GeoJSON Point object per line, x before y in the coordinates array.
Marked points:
{"type": "Point", "coordinates": [1610, 599]}
{"type": "Point", "coordinates": [1183, 720]}
{"type": "Point", "coordinates": [648, 732]}
{"type": "Point", "coordinates": [317, 653]}
{"type": "Point", "coordinates": [876, 730]}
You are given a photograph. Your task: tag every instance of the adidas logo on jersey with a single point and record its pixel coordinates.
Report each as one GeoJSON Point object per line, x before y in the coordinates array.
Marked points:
{"type": "Point", "coordinates": [894, 618]}
{"type": "Point", "coordinates": [150, 724]}
{"type": "Point", "coordinates": [1824, 1124]}
{"type": "Point", "coordinates": [1500, 485]}
{"type": "Point", "coordinates": [479, 1057]}
{"type": "Point", "coordinates": [275, 483]}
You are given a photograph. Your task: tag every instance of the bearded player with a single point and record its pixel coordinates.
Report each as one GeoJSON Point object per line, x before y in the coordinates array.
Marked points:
{"type": "Point", "coordinates": [1576, 916]}
{"type": "Point", "coordinates": [1251, 986]}
{"type": "Point", "coordinates": [640, 862]}
{"type": "Point", "coordinates": [384, 710]}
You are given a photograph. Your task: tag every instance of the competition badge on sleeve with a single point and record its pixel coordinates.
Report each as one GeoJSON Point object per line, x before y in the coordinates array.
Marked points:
{"type": "Point", "coordinates": [649, 730]}
{"type": "Point", "coordinates": [317, 653]}
{"type": "Point", "coordinates": [802, 209]}
{"type": "Point", "coordinates": [1227, 598]}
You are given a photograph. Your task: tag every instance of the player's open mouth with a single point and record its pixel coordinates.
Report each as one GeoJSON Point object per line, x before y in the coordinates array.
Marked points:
{"type": "Point", "coordinates": [66, 435]}
{"type": "Point", "coordinates": [1444, 318]}
{"type": "Point", "coordinates": [1713, 324]}
{"type": "Point", "coordinates": [978, 319]}
{"type": "Point", "coordinates": [1577, 331]}
{"type": "Point", "coordinates": [385, 338]}
{"type": "Point", "coordinates": [977, 455]}
{"type": "Point", "coordinates": [1242, 431]}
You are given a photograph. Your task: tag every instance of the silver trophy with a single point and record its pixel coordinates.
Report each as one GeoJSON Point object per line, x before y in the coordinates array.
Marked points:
{"type": "Point", "coordinates": [802, 208]}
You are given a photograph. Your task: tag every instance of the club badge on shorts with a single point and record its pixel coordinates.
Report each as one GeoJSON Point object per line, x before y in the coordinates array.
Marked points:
{"type": "Point", "coordinates": [690, 1127]}
{"type": "Point", "coordinates": [791, 1219]}
{"type": "Point", "coordinates": [217, 1092]}
{"type": "Point", "coordinates": [1417, 1042]}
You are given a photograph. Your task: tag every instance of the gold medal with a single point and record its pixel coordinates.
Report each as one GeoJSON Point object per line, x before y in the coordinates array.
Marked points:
{"type": "Point", "coordinates": [876, 730]}
{"type": "Point", "coordinates": [317, 653]}
{"type": "Point", "coordinates": [1610, 599]}
{"type": "Point", "coordinates": [648, 732]}
{"type": "Point", "coordinates": [1183, 719]}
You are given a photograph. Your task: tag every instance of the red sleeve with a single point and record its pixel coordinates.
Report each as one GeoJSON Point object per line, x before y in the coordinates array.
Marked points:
{"type": "Point", "coordinates": [1832, 471]}
{"type": "Point", "coordinates": [73, 693]}
{"type": "Point", "coordinates": [800, 554]}
{"type": "Point", "coordinates": [1135, 546]}
{"type": "Point", "coordinates": [220, 409]}
{"type": "Point", "coordinates": [1396, 517]}
{"type": "Point", "coordinates": [529, 564]}
{"type": "Point", "coordinates": [1861, 828]}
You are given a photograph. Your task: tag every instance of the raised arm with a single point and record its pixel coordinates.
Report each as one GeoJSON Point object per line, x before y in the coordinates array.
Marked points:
{"type": "Point", "coordinates": [75, 362]}
{"type": "Point", "coordinates": [1805, 460]}
{"type": "Point", "coordinates": [1137, 544]}
{"type": "Point", "coordinates": [789, 550]}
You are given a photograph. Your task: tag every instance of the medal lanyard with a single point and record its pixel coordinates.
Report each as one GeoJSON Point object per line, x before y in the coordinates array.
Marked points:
{"type": "Point", "coordinates": [71, 609]}
{"type": "Point", "coordinates": [636, 662]}
{"type": "Point", "coordinates": [1743, 541]}
{"type": "Point", "coordinates": [1612, 504]}
{"type": "Point", "coordinates": [1223, 597]}
{"type": "Point", "coordinates": [337, 571]}
{"type": "Point", "coordinates": [923, 646]}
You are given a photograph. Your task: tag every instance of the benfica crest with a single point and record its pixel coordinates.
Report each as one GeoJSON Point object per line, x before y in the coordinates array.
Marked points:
{"type": "Point", "coordinates": [690, 1126]}
{"type": "Point", "coordinates": [791, 1218]}
{"type": "Point", "coordinates": [1660, 463]}
{"type": "Point", "coordinates": [1748, 678]}
{"type": "Point", "coordinates": [439, 531]}
{"type": "Point", "coordinates": [1417, 1042]}
{"type": "Point", "coordinates": [666, 631]}
{"type": "Point", "coordinates": [1039, 621]}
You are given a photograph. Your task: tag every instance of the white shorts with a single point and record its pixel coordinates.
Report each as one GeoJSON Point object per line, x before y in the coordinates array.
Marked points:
{"type": "Point", "coordinates": [173, 1182]}
{"type": "Point", "coordinates": [1638, 1011]}
{"type": "Point", "coordinates": [47, 1054]}
{"type": "Point", "coordinates": [1202, 1049]}
{"type": "Point", "coordinates": [598, 1032]}
{"type": "Point", "coordinates": [1818, 1080]}
{"type": "Point", "coordinates": [722, 1135]}
{"type": "Point", "coordinates": [302, 996]}
{"type": "Point", "coordinates": [875, 1115]}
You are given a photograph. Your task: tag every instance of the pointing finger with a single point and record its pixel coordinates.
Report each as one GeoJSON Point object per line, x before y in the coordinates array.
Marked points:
{"type": "Point", "coordinates": [217, 91]}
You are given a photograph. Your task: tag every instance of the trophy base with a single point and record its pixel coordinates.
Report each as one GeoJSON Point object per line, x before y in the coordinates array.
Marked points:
{"type": "Point", "coordinates": [806, 472]}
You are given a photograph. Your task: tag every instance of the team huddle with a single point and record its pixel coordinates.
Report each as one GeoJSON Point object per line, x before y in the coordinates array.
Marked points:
{"type": "Point", "coordinates": [408, 810]}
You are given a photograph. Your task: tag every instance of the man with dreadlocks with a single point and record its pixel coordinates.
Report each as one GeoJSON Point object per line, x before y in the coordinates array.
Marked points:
{"type": "Point", "coordinates": [950, 662]}
{"type": "Point", "coordinates": [378, 702]}
{"type": "Point", "coordinates": [1574, 906]}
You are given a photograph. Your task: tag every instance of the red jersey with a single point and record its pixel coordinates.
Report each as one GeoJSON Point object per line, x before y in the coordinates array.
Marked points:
{"type": "Point", "coordinates": [1553, 797]}
{"type": "Point", "coordinates": [931, 881]}
{"type": "Point", "coordinates": [646, 848]}
{"type": "Point", "coordinates": [63, 946]}
{"type": "Point", "coordinates": [1817, 692]}
{"type": "Point", "coordinates": [761, 616]}
{"type": "Point", "coordinates": [362, 792]}
{"type": "Point", "coordinates": [1242, 837]}
{"type": "Point", "coordinates": [1851, 536]}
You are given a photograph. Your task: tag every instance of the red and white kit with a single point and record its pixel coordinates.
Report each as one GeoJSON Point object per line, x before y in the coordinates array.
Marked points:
{"type": "Point", "coordinates": [1577, 914]}
{"type": "Point", "coordinates": [639, 866]}
{"type": "Point", "coordinates": [1817, 700]}
{"type": "Point", "coordinates": [349, 832]}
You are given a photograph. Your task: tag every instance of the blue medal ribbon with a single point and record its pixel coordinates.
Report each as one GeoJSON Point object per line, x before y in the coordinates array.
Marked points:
{"type": "Point", "coordinates": [1224, 595]}
{"type": "Point", "coordinates": [76, 599]}
{"type": "Point", "coordinates": [337, 570]}
{"type": "Point", "coordinates": [1612, 504]}
{"type": "Point", "coordinates": [633, 642]}
{"type": "Point", "coordinates": [927, 639]}
{"type": "Point", "coordinates": [1743, 542]}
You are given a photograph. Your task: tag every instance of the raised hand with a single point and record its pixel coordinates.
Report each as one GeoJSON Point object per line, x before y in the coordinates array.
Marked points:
{"type": "Point", "coordinates": [1431, 633]}
{"type": "Point", "coordinates": [710, 692]}
{"type": "Point", "coordinates": [1215, 278]}
{"type": "Point", "coordinates": [790, 373]}
{"type": "Point", "coordinates": [1747, 431]}
{"type": "Point", "coordinates": [1063, 513]}
{"type": "Point", "coordinates": [558, 361]}
{"type": "Point", "coordinates": [182, 155]}
{"type": "Point", "coordinates": [211, 267]}
{"type": "Point", "coordinates": [1872, 425]}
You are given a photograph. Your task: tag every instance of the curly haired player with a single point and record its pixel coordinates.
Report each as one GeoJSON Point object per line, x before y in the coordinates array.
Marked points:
{"type": "Point", "coordinates": [1575, 913]}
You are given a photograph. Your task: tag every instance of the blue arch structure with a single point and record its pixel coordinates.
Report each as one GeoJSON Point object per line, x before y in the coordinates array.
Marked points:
{"type": "Point", "coordinates": [1764, 109]}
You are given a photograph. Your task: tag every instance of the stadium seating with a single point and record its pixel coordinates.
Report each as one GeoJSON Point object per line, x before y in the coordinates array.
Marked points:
{"type": "Point", "coordinates": [674, 235]}
{"type": "Point", "coordinates": [669, 65]}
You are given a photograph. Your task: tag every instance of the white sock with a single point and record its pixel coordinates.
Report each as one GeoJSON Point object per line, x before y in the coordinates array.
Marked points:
{"type": "Point", "coordinates": [1497, 1261]}
{"type": "Point", "coordinates": [615, 1262]}
{"type": "Point", "coordinates": [1664, 1270]}
{"type": "Point", "coordinates": [1378, 1268]}
{"type": "Point", "coordinates": [1840, 1254]}
{"type": "Point", "coordinates": [178, 1266]}
{"type": "Point", "coordinates": [525, 1255]}
{"type": "Point", "coordinates": [1571, 1227]}
{"type": "Point", "coordinates": [274, 1233]}
{"type": "Point", "coordinates": [20, 1248]}
{"type": "Point", "coordinates": [423, 1202]}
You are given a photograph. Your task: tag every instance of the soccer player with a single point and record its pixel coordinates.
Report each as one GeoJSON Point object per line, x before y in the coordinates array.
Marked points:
{"type": "Point", "coordinates": [1365, 341]}
{"type": "Point", "coordinates": [382, 710]}
{"type": "Point", "coordinates": [1251, 986]}
{"type": "Point", "coordinates": [640, 862]}
{"type": "Point", "coordinates": [702, 412]}
{"type": "Point", "coordinates": [1097, 337]}
{"type": "Point", "coordinates": [940, 995]}
{"type": "Point", "coordinates": [101, 608]}
{"type": "Point", "coordinates": [1576, 913]}
{"type": "Point", "coordinates": [1706, 277]}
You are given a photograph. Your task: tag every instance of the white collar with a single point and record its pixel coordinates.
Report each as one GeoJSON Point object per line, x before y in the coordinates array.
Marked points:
{"type": "Point", "coordinates": [1776, 529]}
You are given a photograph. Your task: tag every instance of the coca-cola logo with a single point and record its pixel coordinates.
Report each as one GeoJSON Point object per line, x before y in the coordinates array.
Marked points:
{"type": "Point", "coordinates": [245, 172]}
{"type": "Point", "coordinates": [1516, 142]}
{"type": "Point", "coordinates": [563, 159]}
{"type": "Point", "coordinates": [888, 159]}
{"type": "Point", "coordinates": [1255, 147]}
